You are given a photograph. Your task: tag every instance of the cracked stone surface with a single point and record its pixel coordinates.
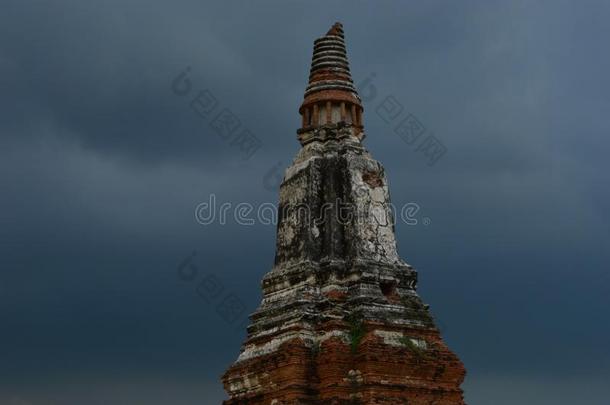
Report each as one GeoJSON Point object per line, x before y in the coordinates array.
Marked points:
{"type": "Point", "coordinates": [340, 321]}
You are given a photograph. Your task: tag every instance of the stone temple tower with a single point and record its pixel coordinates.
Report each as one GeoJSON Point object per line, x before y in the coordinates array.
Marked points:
{"type": "Point", "coordinates": [340, 321]}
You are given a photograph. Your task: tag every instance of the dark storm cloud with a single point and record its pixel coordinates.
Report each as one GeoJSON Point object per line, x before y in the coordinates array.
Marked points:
{"type": "Point", "coordinates": [101, 167]}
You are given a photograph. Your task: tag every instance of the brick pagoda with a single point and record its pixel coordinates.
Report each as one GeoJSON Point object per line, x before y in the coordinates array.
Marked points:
{"type": "Point", "coordinates": [340, 321]}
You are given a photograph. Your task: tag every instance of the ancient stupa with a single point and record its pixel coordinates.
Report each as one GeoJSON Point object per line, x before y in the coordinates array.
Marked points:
{"type": "Point", "coordinates": [340, 321]}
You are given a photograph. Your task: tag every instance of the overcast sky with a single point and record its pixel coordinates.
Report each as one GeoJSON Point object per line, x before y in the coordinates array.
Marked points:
{"type": "Point", "coordinates": [102, 166]}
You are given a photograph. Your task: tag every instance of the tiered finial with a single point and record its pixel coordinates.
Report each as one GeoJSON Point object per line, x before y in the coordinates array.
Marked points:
{"type": "Point", "coordinates": [330, 96]}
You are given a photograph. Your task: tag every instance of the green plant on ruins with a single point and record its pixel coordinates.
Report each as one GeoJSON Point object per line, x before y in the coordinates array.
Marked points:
{"type": "Point", "coordinates": [417, 351]}
{"type": "Point", "coordinates": [356, 330]}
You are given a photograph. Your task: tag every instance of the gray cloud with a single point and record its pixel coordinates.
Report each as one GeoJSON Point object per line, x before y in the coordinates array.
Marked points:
{"type": "Point", "coordinates": [101, 166]}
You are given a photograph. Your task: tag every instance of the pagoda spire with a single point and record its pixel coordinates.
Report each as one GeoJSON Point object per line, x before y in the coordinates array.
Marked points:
{"type": "Point", "coordinates": [331, 97]}
{"type": "Point", "coordinates": [340, 321]}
